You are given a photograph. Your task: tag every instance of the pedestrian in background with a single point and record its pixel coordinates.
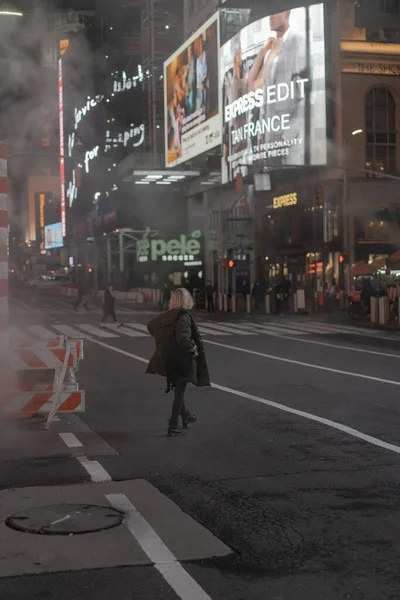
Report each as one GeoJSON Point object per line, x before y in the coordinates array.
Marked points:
{"type": "Point", "coordinates": [109, 307]}
{"type": "Point", "coordinates": [83, 296]}
{"type": "Point", "coordinates": [179, 356]}
{"type": "Point", "coordinates": [210, 297]}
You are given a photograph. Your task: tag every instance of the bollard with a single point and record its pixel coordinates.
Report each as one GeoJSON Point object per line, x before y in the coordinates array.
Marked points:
{"type": "Point", "coordinates": [383, 310]}
{"type": "Point", "coordinates": [374, 310]}
{"type": "Point", "coordinates": [220, 301]}
{"type": "Point", "coordinates": [295, 305]}
{"type": "Point", "coordinates": [225, 302]}
{"type": "Point", "coordinates": [248, 303]}
{"type": "Point", "coordinates": [233, 303]}
{"type": "Point", "coordinates": [268, 304]}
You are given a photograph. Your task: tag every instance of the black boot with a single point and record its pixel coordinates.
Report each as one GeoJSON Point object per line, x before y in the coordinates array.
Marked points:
{"type": "Point", "coordinates": [188, 419]}
{"type": "Point", "coordinates": [174, 429]}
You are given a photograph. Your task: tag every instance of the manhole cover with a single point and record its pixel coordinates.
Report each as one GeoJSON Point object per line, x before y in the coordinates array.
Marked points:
{"type": "Point", "coordinates": [65, 519]}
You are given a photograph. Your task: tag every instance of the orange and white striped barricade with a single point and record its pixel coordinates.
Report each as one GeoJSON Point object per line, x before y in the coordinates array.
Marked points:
{"type": "Point", "coordinates": [60, 395]}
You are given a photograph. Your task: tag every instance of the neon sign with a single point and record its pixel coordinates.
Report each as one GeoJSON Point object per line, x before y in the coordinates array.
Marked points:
{"type": "Point", "coordinates": [90, 104]}
{"type": "Point", "coordinates": [122, 139]}
{"type": "Point", "coordinates": [62, 149]}
{"type": "Point", "coordinates": [89, 156]}
{"type": "Point", "coordinates": [127, 83]}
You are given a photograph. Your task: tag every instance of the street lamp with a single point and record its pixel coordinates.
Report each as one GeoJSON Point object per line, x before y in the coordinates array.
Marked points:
{"type": "Point", "coordinates": [348, 236]}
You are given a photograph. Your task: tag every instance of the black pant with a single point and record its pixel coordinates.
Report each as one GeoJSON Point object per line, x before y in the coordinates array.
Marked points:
{"type": "Point", "coordinates": [79, 302]}
{"type": "Point", "coordinates": [210, 303]}
{"type": "Point", "coordinates": [178, 406]}
{"type": "Point", "coordinates": [110, 312]}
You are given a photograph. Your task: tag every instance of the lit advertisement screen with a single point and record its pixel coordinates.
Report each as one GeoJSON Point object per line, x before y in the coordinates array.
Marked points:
{"type": "Point", "coordinates": [62, 156]}
{"type": "Point", "coordinates": [191, 96]}
{"type": "Point", "coordinates": [53, 237]}
{"type": "Point", "coordinates": [274, 93]}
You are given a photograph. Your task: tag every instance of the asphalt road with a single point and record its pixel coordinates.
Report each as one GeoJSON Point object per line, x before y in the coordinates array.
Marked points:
{"type": "Point", "coordinates": [287, 488]}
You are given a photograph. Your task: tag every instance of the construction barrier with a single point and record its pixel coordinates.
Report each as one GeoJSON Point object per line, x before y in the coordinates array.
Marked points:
{"type": "Point", "coordinates": [56, 391]}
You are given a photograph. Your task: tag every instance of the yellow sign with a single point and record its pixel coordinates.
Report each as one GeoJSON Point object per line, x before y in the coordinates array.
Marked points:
{"type": "Point", "coordinates": [64, 44]}
{"type": "Point", "coordinates": [371, 68]}
{"type": "Point", "coordinates": [284, 201]}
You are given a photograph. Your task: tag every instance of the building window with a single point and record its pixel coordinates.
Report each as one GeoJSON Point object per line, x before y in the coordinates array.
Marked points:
{"type": "Point", "coordinates": [391, 7]}
{"type": "Point", "coordinates": [381, 131]}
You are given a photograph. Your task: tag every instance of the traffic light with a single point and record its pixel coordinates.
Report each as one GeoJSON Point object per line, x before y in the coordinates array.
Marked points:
{"type": "Point", "coordinates": [344, 259]}
{"type": "Point", "coordinates": [231, 264]}
{"type": "Point", "coordinates": [320, 197]}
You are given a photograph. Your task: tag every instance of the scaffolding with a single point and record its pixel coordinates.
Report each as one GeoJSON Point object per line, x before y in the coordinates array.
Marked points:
{"type": "Point", "coordinates": [162, 34]}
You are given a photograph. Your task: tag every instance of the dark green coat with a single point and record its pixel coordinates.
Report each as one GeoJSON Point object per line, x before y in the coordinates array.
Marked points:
{"type": "Point", "coordinates": [162, 328]}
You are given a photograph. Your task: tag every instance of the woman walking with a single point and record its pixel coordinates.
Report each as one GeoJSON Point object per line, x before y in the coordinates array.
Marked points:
{"type": "Point", "coordinates": [179, 356]}
{"type": "Point", "coordinates": [109, 307]}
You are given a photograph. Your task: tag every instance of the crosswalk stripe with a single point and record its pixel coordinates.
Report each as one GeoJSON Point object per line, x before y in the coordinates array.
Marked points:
{"type": "Point", "coordinates": [93, 330]}
{"type": "Point", "coordinates": [18, 336]}
{"type": "Point", "coordinates": [228, 329]}
{"type": "Point", "coordinates": [311, 327]}
{"type": "Point", "coordinates": [126, 331]}
{"type": "Point", "coordinates": [69, 331]}
{"type": "Point", "coordinates": [138, 326]}
{"type": "Point", "coordinates": [41, 332]}
{"type": "Point", "coordinates": [271, 329]}
{"type": "Point", "coordinates": [209, 331]}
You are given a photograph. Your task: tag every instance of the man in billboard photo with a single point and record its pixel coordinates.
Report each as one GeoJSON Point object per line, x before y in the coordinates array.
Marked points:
{"type": "Point", "coordinates": [284, 62]}
{"type": "Point", "coordinates": [202, 74]}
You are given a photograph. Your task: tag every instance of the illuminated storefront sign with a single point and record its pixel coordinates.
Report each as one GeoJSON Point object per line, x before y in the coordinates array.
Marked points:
{"type": "Point", "coordinates": [135, 134]}
{"type": "Point", "coordinates": [284, 201]}
{"type": "Point", "coordinates": [274, 93]}
{"type": "Point", "coordinates": [182, 249]}
{"type": "Point", "coordinates": [62, 149]}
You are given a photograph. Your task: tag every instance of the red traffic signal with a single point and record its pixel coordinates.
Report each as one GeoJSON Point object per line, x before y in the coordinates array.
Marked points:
{"type": "Point", "coordinates": [231, 264]}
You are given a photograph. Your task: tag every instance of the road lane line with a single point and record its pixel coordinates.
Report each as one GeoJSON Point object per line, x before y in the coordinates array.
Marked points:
{"type": "Point", "coordinates": [269, 329]}
{"type": "Point", "coordinates": [70, 440]}
{"type": "Point", "coordinates": [304, 364]}
{"type": "Point", "coordinates": [184, 586]}
{"type": "Point", "coordinates": [125, 330]}
{"type": "Point", "coordinates": [333, 424]}
{"type": "Point", "coordinates": [336, 346]}
{"type": "Point", "coordinates": [97, 473]}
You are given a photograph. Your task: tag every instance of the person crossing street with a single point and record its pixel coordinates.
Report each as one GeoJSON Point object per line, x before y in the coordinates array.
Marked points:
{"type": "Point", "coordinates": [109, 307]}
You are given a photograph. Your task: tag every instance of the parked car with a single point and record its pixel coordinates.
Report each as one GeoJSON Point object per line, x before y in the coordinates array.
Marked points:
{"type": "Point", "coordinates": [45, 282]}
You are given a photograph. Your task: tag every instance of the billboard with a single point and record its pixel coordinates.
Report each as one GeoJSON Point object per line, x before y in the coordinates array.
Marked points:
{"type": "Point", "coordinates": [272, 76]}
{"type": "Point", "coordinates": [191, 96]}
{"type": "Point", "coordinates": [53, 237]}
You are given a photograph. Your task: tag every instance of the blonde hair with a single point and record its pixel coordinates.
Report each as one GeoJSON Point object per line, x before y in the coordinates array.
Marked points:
{"type": "Point", "coordinates": [181, 299]}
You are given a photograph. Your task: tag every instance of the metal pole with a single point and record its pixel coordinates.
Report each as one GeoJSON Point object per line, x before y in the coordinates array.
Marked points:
{"type": "Point", "coordinates": [109, 260]}
{"type": "Point", "coordinates": [347, 268]}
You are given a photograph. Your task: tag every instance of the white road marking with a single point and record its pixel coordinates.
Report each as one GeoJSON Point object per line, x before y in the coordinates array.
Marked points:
{"type": "Point", "coordinates": [70, 440]}
{"type": "Point", "coordinates": [304, 364]}
{"type": "Point", "coordinates": [138, 326]}
{"type": "Point", "coordinates": [210, 331]}
{"type": "Point", "coordinates": [19, 336]}
{"type": "Point", "coordinates": [228, 328]}
{"type": "Point", "coordinates": [93, 330]}
{"type": "Point", "coordinates": [333, 424]}
{"type": "Point", "coordinates": [97, 473]}
{"type": "Point", "coordinates": [269, 329]}
{"type": "Point", "coordinates": [125, 330]}
{"type": "Point", "coordinates": [41, 332]}
{"type": "Point", "coordinates": [184, 586]}
{"type": "Point", "coordinates": [70, 331]}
